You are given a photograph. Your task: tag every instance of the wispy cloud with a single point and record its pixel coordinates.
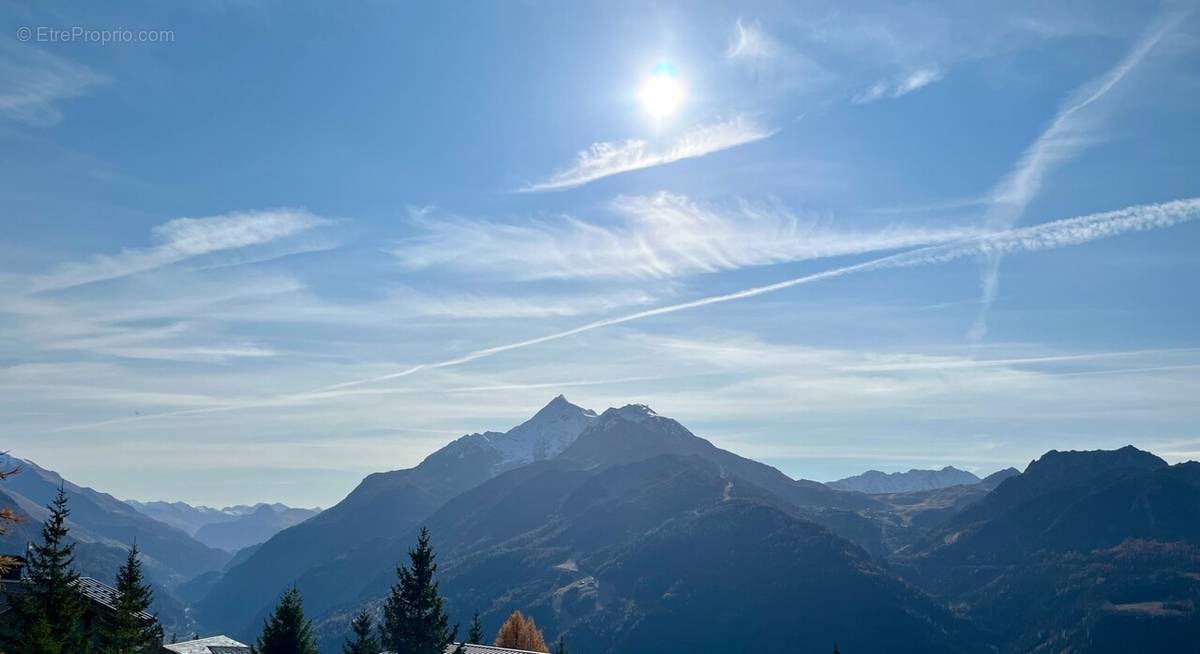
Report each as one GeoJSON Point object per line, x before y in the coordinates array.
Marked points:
{"type": "Point", "coordinates": [949, 363]}
{"type": "Point", "coordinates": [33, 82]}
{"type": "Point", "coordinates": [659, 236]}
{"type": "Point", "coordinates": [484, 305]}
{"type": "Point", "coordinates": [894, 88]}
{"type": "Point", "coordinates": [608, 158]}
{"type": "Point", "coordinates": [181, 239]}
{"type": "Point", "coordinates": [173, 342]}
{"type": "Point", "coordinates": [750, 42]}
{"type": "Point", "coordinates": [1067, 134]}
{"type": "Point", "coordinates": [1046, 236]}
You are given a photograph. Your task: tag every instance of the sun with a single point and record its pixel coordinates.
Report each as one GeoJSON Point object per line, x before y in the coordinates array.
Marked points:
{"type": "Point", "coordinates": [661, 94]}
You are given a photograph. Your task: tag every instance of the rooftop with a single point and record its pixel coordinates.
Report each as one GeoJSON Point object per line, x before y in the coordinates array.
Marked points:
{"type": "Point", "coordinates": [103, 594]}
{"type": "Point", "coordinates": [210, 645]}
{"type": "Point", "coordinates": [95, 591]}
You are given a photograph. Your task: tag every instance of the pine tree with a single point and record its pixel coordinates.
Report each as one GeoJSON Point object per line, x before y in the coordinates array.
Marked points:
{"type": "Point", "coordinates": [520, 632]}
{"type": "Point", "coordinates": [414, 621]}
{"type": "Point", "coordinates": [364, 641]}
{"type": "Point", "coordinates": [126, 631]}
{"type": "Point", "coordinates": [560, 647]}
{"type": "Point", "coordinates": [835, 649]}
{"type": "Point", "coordinates": [287, 631]}
{"type": "Point", "coordinates": [48, 616]}
{"type": "Point", "coordinates": [475, 634]}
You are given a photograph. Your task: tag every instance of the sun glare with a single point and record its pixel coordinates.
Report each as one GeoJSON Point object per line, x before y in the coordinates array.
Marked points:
{"type": "Point", "coordinates": [661, 93]}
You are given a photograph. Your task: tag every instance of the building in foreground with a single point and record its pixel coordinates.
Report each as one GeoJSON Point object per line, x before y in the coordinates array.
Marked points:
{"type": "Point", "coordinates": [210, 645]}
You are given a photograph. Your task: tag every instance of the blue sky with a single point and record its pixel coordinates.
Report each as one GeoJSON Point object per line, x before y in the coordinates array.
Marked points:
{"type": "Point", "coordinates": [286, 245]}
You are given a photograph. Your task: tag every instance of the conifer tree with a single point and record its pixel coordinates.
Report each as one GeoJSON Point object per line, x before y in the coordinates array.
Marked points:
{"type": "Point", "coordinates": [414, 621]}
{"type": "Point", "coordinates": [520, 632]}
{"type": "Point", "coordinates": [560, 647]}
{"type": "Point", "coordinates": [127, 631]}
{"type": "Point", "coordinates": [48, 616]}
{"type": "Point", "coordinates": [287, 631]}
{"type": "Point", "coordinates": [835, 649]}
{"type": "Point", "coordinates": [475, 634]}
{"type": "Point", "coordinates": [364, 641]}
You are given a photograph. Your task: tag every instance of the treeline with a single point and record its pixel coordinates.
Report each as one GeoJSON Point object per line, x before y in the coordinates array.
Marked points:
{"type": "Point", "coordinates": [48, 614]}
{"type": "Point", "coordinates": [414, 620]}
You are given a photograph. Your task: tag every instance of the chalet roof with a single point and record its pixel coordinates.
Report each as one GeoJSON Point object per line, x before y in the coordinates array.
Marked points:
{"type": "Point", "coordinates": [104, 595]}
{"type": "Point", "coordinates": [210, 645]}
{"type": "Point", "coordinates": [96, 592]}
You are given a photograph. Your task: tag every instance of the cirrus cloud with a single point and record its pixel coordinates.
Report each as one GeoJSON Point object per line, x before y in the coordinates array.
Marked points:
{"type": "Point", "coordinates": [181, 239]}
{"type": "Point", "coordinates": [656, 237]}
{"type": "Point", "coordinates": [608, 158]}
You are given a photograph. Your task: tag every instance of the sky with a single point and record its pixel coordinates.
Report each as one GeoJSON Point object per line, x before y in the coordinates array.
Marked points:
{"type": "Point", "coordinates": [254, 251]}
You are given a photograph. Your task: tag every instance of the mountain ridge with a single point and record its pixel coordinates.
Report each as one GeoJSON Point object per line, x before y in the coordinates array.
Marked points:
{"type": "Point", "coordinates": [874, 482]}
{"type": "Point", "coordinates": [230, 528]}
{"type": "Point", "coordinates": [100, 517]}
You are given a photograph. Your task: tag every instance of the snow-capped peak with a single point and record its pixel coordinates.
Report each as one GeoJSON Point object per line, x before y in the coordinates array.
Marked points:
{"type": "Point", "coordinates": [543, 436]}
{"type": "Point", "coordinates": [632, 412]}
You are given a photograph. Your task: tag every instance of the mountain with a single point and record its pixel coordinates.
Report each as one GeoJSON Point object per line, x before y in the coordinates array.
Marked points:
{"type": "Point", "coordinates": [617, 437]}
{"type": "Point", "coordinates": [101, 518]}
{"type": "Point", "coordinates": [181, 515]}
{"type": "Point", "coordinates": [645, 554]}
{"type": "Point", "coordinates": [613, 455]}
{"type": "Point", "coordinates": [1084, 551]}
{"type": "Point", "coordinates": [251, 528]}
{"type": "Point", "coordinates": [245, 524]}
{"type": "Point", "coordinates": [626, 531]}
{"type": "Point", "coordinates": [876, 482]}
{"type": "Point", "coordinates": [383, 506]}
{"type": "Point", "coordinates": [1028, 511]}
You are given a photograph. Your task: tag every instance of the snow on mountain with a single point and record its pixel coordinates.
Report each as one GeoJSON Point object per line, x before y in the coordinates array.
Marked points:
{"type": "Point", "coordinates": [543, 436]}
{"type": "Point", "coordinates": [632, 412]}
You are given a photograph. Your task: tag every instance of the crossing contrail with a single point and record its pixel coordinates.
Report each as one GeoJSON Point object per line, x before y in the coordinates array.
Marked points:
{"type": "Point", "coordinates": [1060, 233]}
{"type": "Point", "coordinates": [1061, 141]}
{"type": "Point", "coordinates": [1046, 236]}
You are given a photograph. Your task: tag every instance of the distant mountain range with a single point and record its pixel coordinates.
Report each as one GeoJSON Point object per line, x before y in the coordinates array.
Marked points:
{"type": "Point", "coordinates": [100, 518]}
{"type": "Point", "coordinates": [231, 528]}
{"type": "Point", "coordinates": [876, 482]}
{"type": "Point", "coordinates": [104, 527]}
{"type": "Point", "coordinates": [624, 532]}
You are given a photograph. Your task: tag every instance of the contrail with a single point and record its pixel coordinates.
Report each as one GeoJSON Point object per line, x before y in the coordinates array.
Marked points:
{"type": "Point", "coordinates": [1061, 233]}
{"type": "Point", "coordinates": [1046, 236]}
{"type": "Point", "coordinates": [1060, 141]}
